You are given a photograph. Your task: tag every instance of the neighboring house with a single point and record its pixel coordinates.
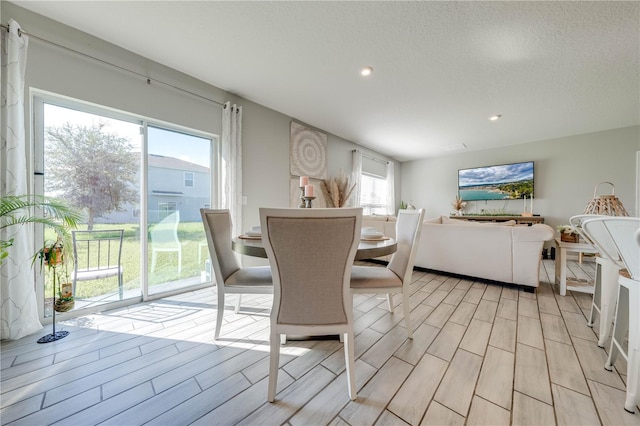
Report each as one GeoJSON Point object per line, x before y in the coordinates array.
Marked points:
{"type": "Point", "coordinates": [174, 184]}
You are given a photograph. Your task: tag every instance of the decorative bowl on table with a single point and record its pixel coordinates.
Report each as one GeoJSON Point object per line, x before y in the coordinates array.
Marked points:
{"type": "Point", "coordinates": [371, 234]}
{"type": "Point", "coordinates": [254, 232]}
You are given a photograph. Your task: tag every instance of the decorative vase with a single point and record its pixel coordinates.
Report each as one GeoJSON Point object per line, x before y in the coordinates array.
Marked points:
{"type": "Point", "coordinates": [458, 212]}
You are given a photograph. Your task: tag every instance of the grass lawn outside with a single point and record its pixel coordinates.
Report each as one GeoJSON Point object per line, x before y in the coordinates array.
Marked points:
{"type": "Point", "coordinates": [190, 234]}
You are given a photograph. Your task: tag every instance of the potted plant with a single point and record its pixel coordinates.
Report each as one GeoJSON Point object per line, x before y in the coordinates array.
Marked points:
{"type": "Point", "coordinates": [568, 234]}
{"type": "Point", "coordinates": [55, 257]}
{"type": "Point", "coordinates": [459, 205]}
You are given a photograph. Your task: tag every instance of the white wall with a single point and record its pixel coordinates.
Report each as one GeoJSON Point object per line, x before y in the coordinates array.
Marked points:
{"type": "Point", "coordinates": [566, 173]}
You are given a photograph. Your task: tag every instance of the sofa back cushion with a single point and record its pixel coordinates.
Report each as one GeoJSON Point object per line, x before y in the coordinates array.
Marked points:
{"type": "Point", "coordinates": [482, 251]}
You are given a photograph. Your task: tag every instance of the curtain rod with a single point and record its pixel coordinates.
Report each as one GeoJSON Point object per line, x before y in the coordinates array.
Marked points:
{"type": "Point", "coordinates": [370, 157]}
{"type": "Point", "coordinates": [102, 61]}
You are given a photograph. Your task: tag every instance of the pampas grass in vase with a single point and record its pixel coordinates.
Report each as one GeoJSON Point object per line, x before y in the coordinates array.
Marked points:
{"type": "Point", "coordinates": [337, 190]}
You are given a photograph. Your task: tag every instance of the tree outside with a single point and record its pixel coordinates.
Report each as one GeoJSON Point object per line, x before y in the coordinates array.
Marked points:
{"type": "Point", "coordinates": [91, 168]}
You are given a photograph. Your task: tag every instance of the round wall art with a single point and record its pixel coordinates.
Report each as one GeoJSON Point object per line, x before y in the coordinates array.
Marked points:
{"type": "Point", "coordinates": [308, 152]}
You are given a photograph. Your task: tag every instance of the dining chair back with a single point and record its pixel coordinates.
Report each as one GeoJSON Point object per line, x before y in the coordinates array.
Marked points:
{"type": "Point", "coordinates": [311, 253]}
{"type": "Point", "coordinates": [625, 234]}
{"type": "Point", "coordinates": [97, 254]}
{"type": "Point", "coordinates": [164, 238]}
{"type": "Point", "coordinates": [608, 265]}
{"type": "Point", "coordinates": [230, 277]}
{"type": "Point", "coordinates": [396, 277]}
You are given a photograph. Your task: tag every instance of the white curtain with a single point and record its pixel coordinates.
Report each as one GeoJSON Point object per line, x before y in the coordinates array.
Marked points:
{"type": "Point", "coordinates": [18, 306]}
{"type": "Point", "coordinates": [391, 198]}
{"type": "Point", "coordinates": [231, 196]}
{"type": "Point", "coordinates": [356, 176]}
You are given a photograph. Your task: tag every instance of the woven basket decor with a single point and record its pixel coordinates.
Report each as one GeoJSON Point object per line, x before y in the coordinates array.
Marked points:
{"type": "Point", "coordinates": [605, 204]}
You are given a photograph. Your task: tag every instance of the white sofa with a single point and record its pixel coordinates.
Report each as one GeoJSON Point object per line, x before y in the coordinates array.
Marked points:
{"type": "Point", "coordinates": [501, 251]}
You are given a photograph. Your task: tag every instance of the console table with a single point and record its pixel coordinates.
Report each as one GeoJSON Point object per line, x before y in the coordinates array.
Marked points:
{"type": "Point", "coordinates": [566, 283]}
{"type": "Point", "coordinates": [529, 220]}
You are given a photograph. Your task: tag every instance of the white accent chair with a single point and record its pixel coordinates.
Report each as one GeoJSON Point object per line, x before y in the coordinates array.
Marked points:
{"type": "Point", "coordinates": [396, 277]}
{"type": "Point", "coordinates": [230, 277]}
{"type": "Point", "coordinates": [164, 238]}
{"type": "Point", "coordinates": [311, 253]}
{"type": "Point", "coordinates": [608, 265]}
{"type": "Point", "coordinates": [625, 233]}
{"type": "Point", "coordinates": [97, 254]}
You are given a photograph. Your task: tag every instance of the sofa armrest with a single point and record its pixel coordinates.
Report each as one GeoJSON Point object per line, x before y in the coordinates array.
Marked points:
{"type": "Point", "coordinates": [527, 252]}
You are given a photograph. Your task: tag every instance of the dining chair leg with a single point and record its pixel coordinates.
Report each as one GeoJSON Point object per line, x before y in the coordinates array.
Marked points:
{"type": "Point", "coordinates": [390, 302]}
{"type": "Point", "coordinates": [406, 307]}
{"type": "Point", "coordinates": [274, 361]}
{"type": "Point", "coordinates": [120, 285]}
{"type": "Point", "coordinates": [597, 294]}
{"type": "Point", "coordinates": [608, 295]}
{"type": "Point", "coordinates": [220, 315]}
{"type": "Point", "coordinates": [620, 327]}
{"type": "Point", "coordinates": [633, 352]}
{"type": "Point", "coordinates": [238, 301]}
{"type": "Point", "coordinates": [349, 356]}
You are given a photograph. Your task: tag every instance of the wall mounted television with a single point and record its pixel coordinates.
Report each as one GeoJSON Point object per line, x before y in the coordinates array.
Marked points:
{"type": "Point", "coordinates": [501, 182]}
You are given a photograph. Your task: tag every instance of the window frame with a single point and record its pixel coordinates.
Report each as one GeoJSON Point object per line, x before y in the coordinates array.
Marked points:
{"type": "Point", "coordinates": [192, 180]}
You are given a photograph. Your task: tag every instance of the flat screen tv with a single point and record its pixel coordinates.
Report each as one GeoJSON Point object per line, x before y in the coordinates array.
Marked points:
{"type": "Point", "coordinates": [501, 182]}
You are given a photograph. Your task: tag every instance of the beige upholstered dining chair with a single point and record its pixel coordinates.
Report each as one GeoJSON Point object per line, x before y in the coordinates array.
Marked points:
{"type": "Point", "coordinates": [311, 252]}
{"type": "Point", "coordinates": [230, 277]}
{"type": "Point", "coordinates": [396, 277]}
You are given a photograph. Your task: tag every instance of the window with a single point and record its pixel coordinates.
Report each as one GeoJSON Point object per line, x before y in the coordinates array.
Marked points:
{"type": "Point", "coordinates": [373, 194]}
{"type": "Point", "coordinates": [188, 179]}
{"type": "Point", "coordinates": [165, 209]}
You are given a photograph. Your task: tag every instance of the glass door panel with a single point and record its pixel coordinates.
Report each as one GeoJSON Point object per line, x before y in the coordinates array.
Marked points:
{"type": "Point", "coordinates": [93, 163]}
{"type": "Point", "coordinates": [179, 184]}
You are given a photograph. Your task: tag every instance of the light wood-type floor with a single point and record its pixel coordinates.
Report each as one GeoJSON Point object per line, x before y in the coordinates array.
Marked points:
{"type": "Point", "coordinates": [483, 354]}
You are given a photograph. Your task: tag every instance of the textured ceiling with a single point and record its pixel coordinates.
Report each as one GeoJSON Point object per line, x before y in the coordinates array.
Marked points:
{"type": "Point", "coordinates": [551, 69]}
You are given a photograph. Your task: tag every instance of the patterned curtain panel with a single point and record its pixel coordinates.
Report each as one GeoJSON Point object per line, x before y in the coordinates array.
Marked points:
{"type": "Point", "coordinates": [18, 306]}
{"type": "Point", "coordinates": [231, 151]}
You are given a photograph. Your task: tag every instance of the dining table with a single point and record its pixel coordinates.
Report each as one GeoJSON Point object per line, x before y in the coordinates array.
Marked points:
{"type": "Point", "coordinates": [367, 249]}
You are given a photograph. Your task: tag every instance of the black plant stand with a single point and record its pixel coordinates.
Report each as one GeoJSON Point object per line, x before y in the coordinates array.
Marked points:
{"type": "Point", "coordinates": [55, 335]}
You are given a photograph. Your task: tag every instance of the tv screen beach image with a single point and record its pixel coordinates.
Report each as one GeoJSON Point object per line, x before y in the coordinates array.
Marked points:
{"type": "Point", "coordinates": [501, 182]}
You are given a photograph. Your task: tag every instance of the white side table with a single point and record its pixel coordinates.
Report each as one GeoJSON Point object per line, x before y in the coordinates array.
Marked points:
{"type": "Point", "coordinates": [562, 248]}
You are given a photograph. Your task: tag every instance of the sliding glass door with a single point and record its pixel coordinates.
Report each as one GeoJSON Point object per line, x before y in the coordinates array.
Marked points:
{"type": "Point", "coordinates": [125, 173]}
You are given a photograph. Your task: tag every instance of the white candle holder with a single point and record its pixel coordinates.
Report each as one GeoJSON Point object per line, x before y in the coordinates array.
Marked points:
{"type": "Point", "coordinates": [303, 203]}
{"type": "Point", "coordinates": [307, 201]}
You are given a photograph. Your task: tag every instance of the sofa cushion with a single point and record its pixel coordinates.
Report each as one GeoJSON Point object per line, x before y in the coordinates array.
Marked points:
{"type": "Point", "coordinates": [433, 220]}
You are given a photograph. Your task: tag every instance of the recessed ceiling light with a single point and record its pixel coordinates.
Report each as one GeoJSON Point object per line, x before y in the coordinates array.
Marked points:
{"type": "Point", "coordinates": [366, 71]}
{"type": "Point", "coordinates": [495, 117]}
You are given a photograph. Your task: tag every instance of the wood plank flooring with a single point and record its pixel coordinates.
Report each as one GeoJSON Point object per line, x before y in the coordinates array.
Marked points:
{"type": "Point", "coordinates": [483, 354]}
